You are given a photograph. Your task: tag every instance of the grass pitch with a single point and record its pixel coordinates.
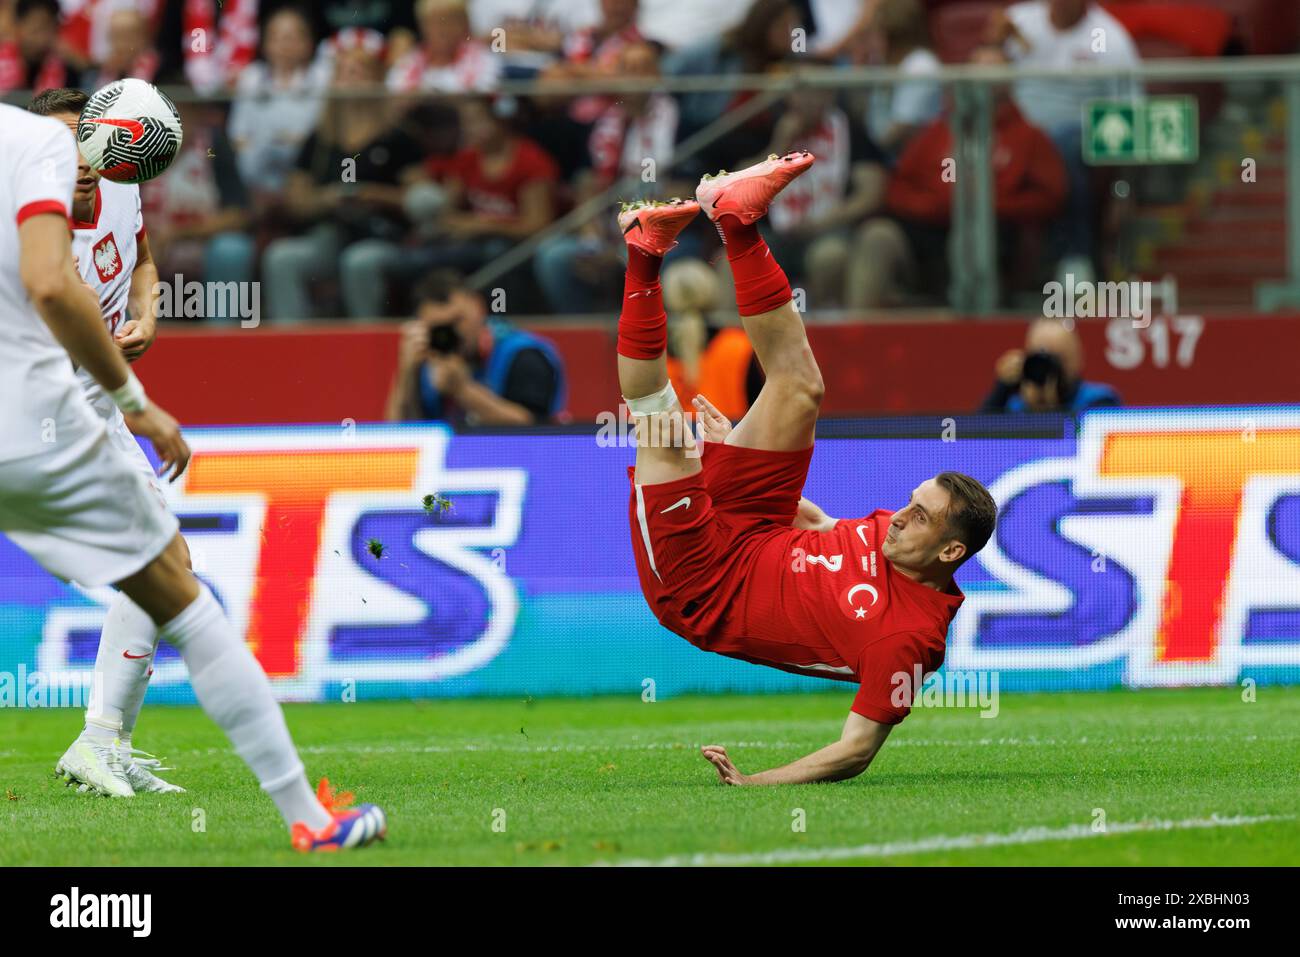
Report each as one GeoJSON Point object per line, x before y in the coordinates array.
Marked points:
{"type": "Point", "coordinates": [1182, 777]}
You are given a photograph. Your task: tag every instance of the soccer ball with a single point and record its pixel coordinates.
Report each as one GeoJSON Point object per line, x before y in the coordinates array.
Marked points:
{"type": "Point", "coordinates": [129, 132]}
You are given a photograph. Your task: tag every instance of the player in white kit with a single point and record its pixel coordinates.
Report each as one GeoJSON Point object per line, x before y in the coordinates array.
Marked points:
{"type": "Point", "coordinates": [112, 254]}
{"type": "Point", "coordinates": [72, 500]}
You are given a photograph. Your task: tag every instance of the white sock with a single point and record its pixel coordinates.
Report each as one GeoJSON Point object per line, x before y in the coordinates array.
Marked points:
{"type": "Point", "coordinates": [235, 693]}
{"type": "Point", "coordinates": [122, 667]}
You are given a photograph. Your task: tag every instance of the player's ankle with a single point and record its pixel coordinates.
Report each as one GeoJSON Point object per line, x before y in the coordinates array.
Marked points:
{"type": "Point", "coordinates": [740, 238]}
{"type": "Point", "coordinates": [97, 730]}
{"type": "Point", "coordinates": [642, 266]}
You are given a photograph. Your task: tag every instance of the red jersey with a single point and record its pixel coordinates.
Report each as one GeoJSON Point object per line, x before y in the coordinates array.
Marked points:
{"type": "Point", "coordinates": [497, 197]}
{"type": "Point", "coordinates": [720, 565]}
{"type": "Point", "coordinates": [852, 610]}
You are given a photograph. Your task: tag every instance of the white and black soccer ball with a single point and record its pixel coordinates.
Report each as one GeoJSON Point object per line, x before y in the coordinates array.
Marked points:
{"type": "Point", "coordinates": [129, 132]}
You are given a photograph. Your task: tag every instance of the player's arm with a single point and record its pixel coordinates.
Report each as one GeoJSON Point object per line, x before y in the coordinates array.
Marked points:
{"type": "Point", "coordinates": [70, 309]}
{"type": "Point", "coordinates": [141, 328]}
{"type": "Point", "coordinates": [809, 516]}
{"type": "Point", "coordinates": [846, 758]}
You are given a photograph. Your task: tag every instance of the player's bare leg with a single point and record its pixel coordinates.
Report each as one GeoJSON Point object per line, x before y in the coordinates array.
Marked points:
{"type": "Point", "coordinates": [784, 416]}
{"type": "Point", "coordinates": [666, 449]}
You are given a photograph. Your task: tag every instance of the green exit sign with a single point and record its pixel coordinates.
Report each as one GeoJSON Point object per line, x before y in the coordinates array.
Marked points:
{"type": "Point", "coordinates": [1161, 129]}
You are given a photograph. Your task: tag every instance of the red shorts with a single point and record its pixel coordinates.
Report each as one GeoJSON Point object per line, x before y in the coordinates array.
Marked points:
{"type": "Point", "coordinates": [695, 539]}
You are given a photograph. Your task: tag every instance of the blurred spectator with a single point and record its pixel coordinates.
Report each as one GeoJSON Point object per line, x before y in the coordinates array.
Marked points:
{"type": "Point", "coordinates": [762, 42]}
{"type": "Point", "coordinates": [595, 52]}
{"type": "Point", "coordinates": [207, 43]}
{"type": "Point", "coordinates": [704, 357]}
{"type": "Point", "coordinates": [277, 102]}
{"type": "Point", "coordinates": [345, 187]}
{"type": "Point", "coordinates": [197, 215]}
{"type": "Point", "coordinates": [813, 219]}
{"type": "Point", "coordinates": [578, 272]}
{"type": "Point", "coordinates": [1046, 376]}
{"type": "Point", "coordinates": [1040, 34]}
{"type": "Point", "coordinates": [895, 113]}
{"type": "Point", "coordinates": [835, 24]}
{"type": "Point", "coordinates": [86, 34]}
{"type": "Point", "coordinates": [535, 30]}
{"type": "Point", "coordinates": [499, 188]}
{"type": "Point", "coordinates": [448, 59]}
{"type": "Point", "coordinates": [391, 17]}
{"type": "Point", "coordinates": [637, 127]}
{"type": "Point", "coordinates": [129, 52]}
{"type": "Point", "coordinates": [678, 25]}
{"type": "Point", "coordinates": [456, 363]}
{"type": "Point", "coordinates": [909, 246]}
{"type": "Point", "coordinates": [30, 60]}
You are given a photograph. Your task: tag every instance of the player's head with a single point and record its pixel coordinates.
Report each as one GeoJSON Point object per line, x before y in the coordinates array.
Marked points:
{"type": "Point", "coordinates": [947, 520]}
{"type": "Point", "coordinates": [443, 301]}
{"type": "Point", "coordinates": [65, 105]}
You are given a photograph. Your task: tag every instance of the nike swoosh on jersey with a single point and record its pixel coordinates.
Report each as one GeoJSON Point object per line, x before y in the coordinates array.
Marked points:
{"type": "Point", "coordinates": [127, 654]}
{"type": "Point", "coordinates": [686, 502]}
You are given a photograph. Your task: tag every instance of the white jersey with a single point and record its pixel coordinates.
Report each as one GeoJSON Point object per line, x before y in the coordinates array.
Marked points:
{"type": "Point", "coordinates": [69, 496]}
{"type": "Point", "coordinates": [107, 252]}
{"type": "Point", "coordinates": [38, 391]}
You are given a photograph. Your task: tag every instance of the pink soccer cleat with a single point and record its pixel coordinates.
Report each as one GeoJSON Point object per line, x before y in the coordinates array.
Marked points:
{"type": "Point", "coordinates": [747, 194]}
{"type": "Point", "coordinates": [653, 226]}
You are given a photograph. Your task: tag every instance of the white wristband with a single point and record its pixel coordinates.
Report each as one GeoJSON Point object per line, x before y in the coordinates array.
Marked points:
{"type": "Point", "coordinates": [130, 397]}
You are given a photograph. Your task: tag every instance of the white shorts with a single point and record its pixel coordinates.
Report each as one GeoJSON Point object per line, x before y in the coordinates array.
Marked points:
{"type": "Point", "coordinates": [85, 510]}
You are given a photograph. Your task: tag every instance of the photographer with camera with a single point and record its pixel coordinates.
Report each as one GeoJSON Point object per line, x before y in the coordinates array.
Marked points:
{"type": "Point", "coordinates": [1044, 376]}
{"type": "Point", "coordinates": [458, 364]}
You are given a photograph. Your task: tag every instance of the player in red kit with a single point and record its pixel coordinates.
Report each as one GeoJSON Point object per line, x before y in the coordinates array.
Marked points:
{"type": "Point", "coordinates": [729, 555]}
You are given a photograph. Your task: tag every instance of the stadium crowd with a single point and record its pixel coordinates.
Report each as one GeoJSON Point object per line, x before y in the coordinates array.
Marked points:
{"type": "Point", "coordinates": [342, 153]}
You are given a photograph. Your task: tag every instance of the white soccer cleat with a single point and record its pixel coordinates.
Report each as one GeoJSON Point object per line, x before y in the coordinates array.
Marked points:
{"type": "Point", "coordinates": [94, 766]}
{"type": "Point", "coordinates": [139, 767]}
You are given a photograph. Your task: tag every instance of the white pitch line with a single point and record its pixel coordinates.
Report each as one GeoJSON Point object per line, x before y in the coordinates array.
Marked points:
{"type": "Point", "coordinates": [481, 747]}
{"type": "Point", "coordinates": [1033, 835]}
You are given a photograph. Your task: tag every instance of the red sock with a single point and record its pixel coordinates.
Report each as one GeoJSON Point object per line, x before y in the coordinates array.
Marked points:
{"type": "Point", "coordinates": [761, 285]}
{"type": "Point", "coordinates": [643, 324]}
